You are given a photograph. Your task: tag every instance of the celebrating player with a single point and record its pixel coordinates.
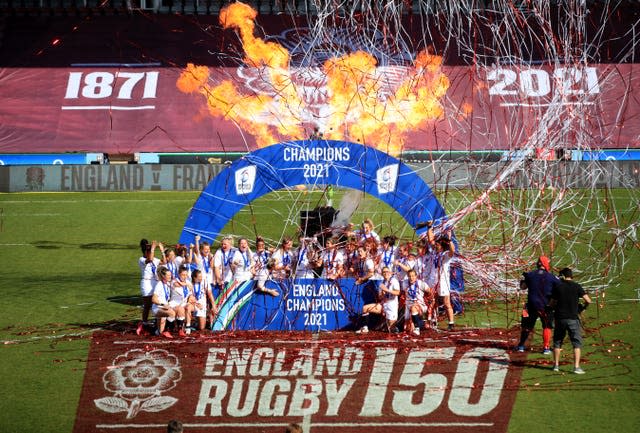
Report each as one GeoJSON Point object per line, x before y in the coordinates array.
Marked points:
{"type": "Point", "coordinates": [262, 265]}
{"type": "Point", "coordinates": [160, 299]}
{"type": "Point", "coordinates": [387, 305]}
{"type": "Point", "coordinates": [200, 296]}
{"type": "Point", "coordinates": [283, 259]}
{"type": "Point", "coordinates": [242, 262]}
{"type": "Point", "coordinates": [148, 264]}
{"type": "Point", "coordinates": [332, 260]}
{"type": "Point", "coordinates": [416, 306]}
{"type": "Point", "coordinates": [182, 300]}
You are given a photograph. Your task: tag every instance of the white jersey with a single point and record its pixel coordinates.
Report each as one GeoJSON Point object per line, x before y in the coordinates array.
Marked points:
{"type": "Point", "coordinates": [444, 273]}
{"type": "Point", "coordinates": [173, 267]}
{"type": "Point", "coordinates": [414, 293]}
{"type": "Point", "coordinates": [163, 293]}
{"type": "Point", "coordinates": [401, 274]}
{"type": "Point", "coordinates": [332, 260]}
{"type": "Point", "coordinates": [389, 301]}
{"type": "Point", "coordinates": [304, 268]}
{"type": "Point", "coordinates": [361, 236]}
{"type": "Point", "coordinates": [200, 293]}
{"type": "Point", "coordinates": [366, 267]}
{"type": "Point", "coordinates": [282, 258]}
{"type": "Point", "coordinates": [242, 262]}
{"type": "Point", "coordinates": [203, 264]}
{"type": "Point", "coordinates": [148, 279]}
{"type": "Point", "coordinates": [387, 258]}
{"type": "Point", "coordinates": [429, 270]}
{"type": "Point", "coordinates": [391, 284]}
{"type": "Point", "coordinates": [260, 260]}
{"type": "Point", "coordinates": [179, 294]}
{"type": "Point", "coordinates": [222, 260]}
{"type": "Point", "coordinates": [142, 262]}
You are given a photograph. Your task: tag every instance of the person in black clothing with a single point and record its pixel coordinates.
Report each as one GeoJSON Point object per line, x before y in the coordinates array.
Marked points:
{"type": "Point", "coordinates": [565, 299]}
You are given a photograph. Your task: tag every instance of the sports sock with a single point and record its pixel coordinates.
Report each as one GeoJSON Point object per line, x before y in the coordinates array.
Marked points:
{"type": "Point", "coordinates": [364, 320]}
{"type": "Point", "coordinates": [523, 337]}
{"type": "Point", "coordinates": [417, 320]}
{"type": "Point", "coordinates": [546, 337]}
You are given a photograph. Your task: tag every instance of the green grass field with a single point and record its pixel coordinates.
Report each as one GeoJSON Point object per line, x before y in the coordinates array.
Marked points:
{"type": "Point", "coordinates": [69, 267]}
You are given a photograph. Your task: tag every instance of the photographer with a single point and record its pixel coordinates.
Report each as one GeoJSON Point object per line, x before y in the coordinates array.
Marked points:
{"type": "Point", "coordinates": [565, 299]}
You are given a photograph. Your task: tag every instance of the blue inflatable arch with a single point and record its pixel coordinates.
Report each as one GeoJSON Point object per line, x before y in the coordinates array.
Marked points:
{"type": "Point", "coordinates": [286, 165]}
{"type": "Point", "coordinates": [310, 162]}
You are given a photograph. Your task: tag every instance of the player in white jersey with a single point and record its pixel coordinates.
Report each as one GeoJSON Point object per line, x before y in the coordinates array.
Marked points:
{"type": "Point", "coordinates": [223, 274]}
{"type": "Point", "coordinates": [283, 259]}
{"type": "Point", "coordinates": [148, 265]}
{"type": "Point", "coordinates": [366, 277]}
{"type": "Point", "coordinates": [387, 253]}
{"type": "Point", "coordinates": [200, 296]}
{"type": "Point", "coordinates": [242, 262]}
{"type": "Point", "coordinates": [204, 260]}
{"type": "Point", "coordinates": [182, 299]}
{"type": "Point", "coordinates": [427, 272]}
{"type": "Point", "coordinates": [366, 232]}
{"type": "Point", "coordinates": [332, 260]}
{"type": "Point", "coordinates": [262, 265]}
{"type": "Point", "coordinates": [172, 261]}
{"type": "Point", "coordinates": [405, 261]}
{"type": "Point", "coordinates": [445, 249]}
{"type": "Point", "coordinates": [373, 248]}
{"type": "Point", "coordinates": [350, 256]}
{"type": "Point", "coordinates": [428, 260]}
{"type": "Point", "coordinates": [160, 299]}
{"type": "Point", "coordinates": [387, 302]}
{"type": "Point", "coordinates": [305, 260]}
{"type": "Point", "coordinates": [415, 303]}
{"type": "Point", "coordinates": [365, 266]}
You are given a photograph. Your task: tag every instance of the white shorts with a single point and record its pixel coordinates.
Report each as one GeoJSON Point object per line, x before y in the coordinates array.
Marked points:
{"type": "Point", "coordinates": [175, 304]}
{"type": "Point", "coordinates": [155, 308]}
{"type": "Point", "coordinates": [390, 310]}
{"type": "Point", "coordinates": [146, 288]}
{"type": "Point", "coordinates": [443, 290]}
{"type": "Point", "coordinates": [200, 313]}
{"type": "Point", "coordinates": [407, 310]}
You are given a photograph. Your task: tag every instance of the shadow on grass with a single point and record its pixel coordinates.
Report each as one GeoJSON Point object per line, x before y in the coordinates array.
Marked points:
{"type": "Point", "coordinates": [116, 325]}
{"type": "Point", "coordinates": [56, 245]}
{"type": "Point", "coordinates": [126, 300]}
{"type": "Point", "coordinates": [108, 246]}
{"type": "Point", "coordinates": [115, 280]}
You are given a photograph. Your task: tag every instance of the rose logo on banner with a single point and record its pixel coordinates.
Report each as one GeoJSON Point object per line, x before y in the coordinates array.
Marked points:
{"type": "Point", "coordinates": [138, 378]}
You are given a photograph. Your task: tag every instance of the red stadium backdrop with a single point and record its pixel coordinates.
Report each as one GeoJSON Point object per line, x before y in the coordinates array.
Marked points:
{"type": "Point", "coordinates": [125, 110]}
{"type": "Point", "coordinates": [73, 84]}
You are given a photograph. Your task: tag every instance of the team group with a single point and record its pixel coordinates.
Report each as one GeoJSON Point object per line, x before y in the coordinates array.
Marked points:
{"type": "Point", "coordinates": [178, 288]}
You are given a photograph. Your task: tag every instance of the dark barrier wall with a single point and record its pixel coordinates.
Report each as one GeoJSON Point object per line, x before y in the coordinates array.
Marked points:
{"type": "Point", "coordinates": [194, 177]}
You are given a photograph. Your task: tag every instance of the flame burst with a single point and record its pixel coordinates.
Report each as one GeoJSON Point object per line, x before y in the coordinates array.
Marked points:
{"type": "Point", "coordinates": [350, 98]}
